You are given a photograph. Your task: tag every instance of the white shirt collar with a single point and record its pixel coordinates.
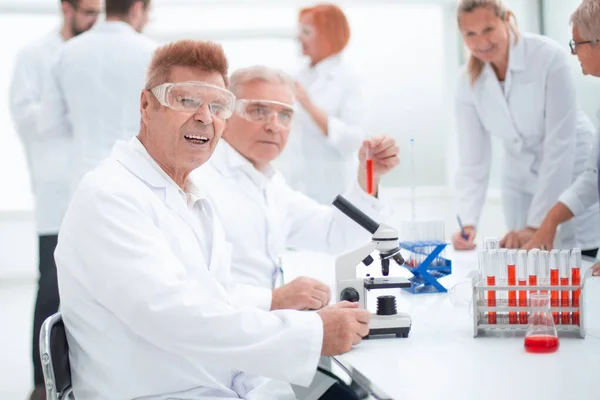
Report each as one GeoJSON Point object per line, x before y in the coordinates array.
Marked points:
{"type": "Point", "coordinates": [113, 27]}
{"type": "Point", "coordinates": [192, 189]}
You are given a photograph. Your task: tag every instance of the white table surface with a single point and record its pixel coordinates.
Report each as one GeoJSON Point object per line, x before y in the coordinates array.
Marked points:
{"type": "Point", "coordinates": [442, 360]}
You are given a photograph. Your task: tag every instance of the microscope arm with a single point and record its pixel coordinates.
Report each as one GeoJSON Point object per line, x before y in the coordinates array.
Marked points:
{"type": "Point", "coordinates": [345, 265]}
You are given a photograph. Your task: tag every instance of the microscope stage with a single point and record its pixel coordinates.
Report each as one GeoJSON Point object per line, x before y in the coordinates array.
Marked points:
{"type": "Point", "coordinates": [386, 283]}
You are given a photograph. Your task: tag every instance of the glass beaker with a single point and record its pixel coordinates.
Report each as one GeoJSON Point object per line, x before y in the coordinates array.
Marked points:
{"type": "Point", "coordinates": [541, 336]}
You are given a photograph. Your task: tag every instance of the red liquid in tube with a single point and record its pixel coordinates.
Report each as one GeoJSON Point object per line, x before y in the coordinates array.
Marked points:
{"type": "Point", "coordinates": [370, 188]}
{"type": "Point", "coordinates": [564, 302]}
{"type": "Point", "coordinates": [576, 281]}
{"type": "Point", "coordinates": [491, 295]}
{"type": "Point", "coordinates": [554, 293]}
{"type": "Point", "coordinates": [523, 303]}
{"type": "Point", "coordinates": [512, 295]}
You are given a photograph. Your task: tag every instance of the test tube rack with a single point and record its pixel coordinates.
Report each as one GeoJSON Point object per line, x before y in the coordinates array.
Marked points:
{"type": "Point", "coordinates": [481, 307]}
{"type": "Point", "coordinates": [427, 272]}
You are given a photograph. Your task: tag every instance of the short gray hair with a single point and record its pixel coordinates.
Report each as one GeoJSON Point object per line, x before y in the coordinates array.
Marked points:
{"type": "Point", "coordinates": [587, 19]}
{"type": "Point", "coordinates": [260, 73]}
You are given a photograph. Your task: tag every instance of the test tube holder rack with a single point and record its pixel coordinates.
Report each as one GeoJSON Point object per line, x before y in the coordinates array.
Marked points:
{"type": "Point", "coordinates": [502, 308]}
{"type": "Point", "coordinates": [433, 267]}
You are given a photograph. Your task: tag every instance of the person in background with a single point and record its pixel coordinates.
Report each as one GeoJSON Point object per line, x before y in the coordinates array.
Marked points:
{"type": "Point", "coordinates": [261, 214]}
{"type": "Point", "coordinates": [519, 88]}
{"type": "Point", "coordinates": [272, 216]}
{"type": "Point", "coordinates": [329, 127]}
{"type": "Point", "coordinates": [585, 44]}
{"type": "Point", "coordinates": [93, 93]}
{"type": "Point", "coordinates": [46, 158]}
{"type": "Point", "coordinates": [144, 268]}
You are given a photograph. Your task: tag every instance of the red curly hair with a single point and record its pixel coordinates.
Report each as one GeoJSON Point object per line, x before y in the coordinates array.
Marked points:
{"type": "Point", "coordinates": [206, 55]}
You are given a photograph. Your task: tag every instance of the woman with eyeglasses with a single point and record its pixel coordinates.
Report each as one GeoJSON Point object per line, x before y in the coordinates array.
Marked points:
{"type": "Point", "coordinates": [518, 88]}
{"type": "Point", "coordinates": [320, 159]}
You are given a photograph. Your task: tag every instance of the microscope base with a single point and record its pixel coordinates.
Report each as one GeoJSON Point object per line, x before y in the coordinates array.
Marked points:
{"type": "Point", "coordinates": [384, 325]}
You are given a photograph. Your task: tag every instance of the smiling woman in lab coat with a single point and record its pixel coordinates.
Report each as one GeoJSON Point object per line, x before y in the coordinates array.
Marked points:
{"type": "Point", "coordinates": [519, 89]}
{"type": "Point", "coordinates": [327, 130]}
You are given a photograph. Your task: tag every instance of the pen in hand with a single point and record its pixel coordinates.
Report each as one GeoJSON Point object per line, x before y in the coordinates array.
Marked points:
{"type": "Point", "coordinates": [462, 228]}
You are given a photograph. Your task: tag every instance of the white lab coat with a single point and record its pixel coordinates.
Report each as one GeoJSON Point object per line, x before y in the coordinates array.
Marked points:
{"type": "Point", "coordinates": [546, 139]}
{"type": "Point", "coordinates": [583, 193]}
{"type": "Point", "coordinates": [46, 157]}
{"type": "Point", "coordinates": [145, 284]}
{"type": "Point", "coordinates": [94, 93]}
{"type": "Point", "coordinates": [263, 216]}
{"type": "Point", "coordinates": [324, 166]}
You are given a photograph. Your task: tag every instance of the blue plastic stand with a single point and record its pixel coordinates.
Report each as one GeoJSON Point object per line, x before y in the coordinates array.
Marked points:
{"type": "Point", "coordinates": [426, 275]}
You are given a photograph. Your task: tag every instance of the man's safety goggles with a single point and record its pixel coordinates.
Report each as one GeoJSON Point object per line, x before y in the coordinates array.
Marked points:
{"type": "Point", "coordinates": [190, 96]}
{"type": "Point", "coordinates": [265, 111]}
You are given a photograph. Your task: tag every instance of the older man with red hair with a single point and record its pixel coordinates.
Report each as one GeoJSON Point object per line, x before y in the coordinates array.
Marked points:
{"type": "Point", "coordinates": [148, 301]}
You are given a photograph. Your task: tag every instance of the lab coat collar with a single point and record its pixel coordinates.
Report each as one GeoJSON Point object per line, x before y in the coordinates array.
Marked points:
{"type": "Point", "coordinates": [134, 156]}
{"type": "Point", "coordinates": [328, 65]}
{"type": "Point", "coordinates": [113, 27]}
{"type": "Point", "coordinates": [230, 162]}
{"type": "Point", "coordinates": [516, 54]}
{"type": "Point", "coordinates": [56, 35]}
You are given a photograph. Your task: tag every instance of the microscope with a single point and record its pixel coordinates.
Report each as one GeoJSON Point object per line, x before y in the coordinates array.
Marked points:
{"type": "Point", "coordinates": [387, 321]}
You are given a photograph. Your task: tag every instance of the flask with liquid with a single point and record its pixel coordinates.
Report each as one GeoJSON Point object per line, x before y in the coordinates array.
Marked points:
{"type": "Point", "coordinates": [541, 336]}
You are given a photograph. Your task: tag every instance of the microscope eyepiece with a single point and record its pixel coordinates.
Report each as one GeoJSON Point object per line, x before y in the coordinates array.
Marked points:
{"type": "Point", "coordinates": [355, 214]}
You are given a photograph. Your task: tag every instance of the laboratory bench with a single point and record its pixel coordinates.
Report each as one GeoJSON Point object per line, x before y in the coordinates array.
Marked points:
{"type": "Point", "coordinates": [441, 358]}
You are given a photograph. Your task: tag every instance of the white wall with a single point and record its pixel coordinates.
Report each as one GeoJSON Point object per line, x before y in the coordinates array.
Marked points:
{"type": "Point", "coordinates": [391, 41]}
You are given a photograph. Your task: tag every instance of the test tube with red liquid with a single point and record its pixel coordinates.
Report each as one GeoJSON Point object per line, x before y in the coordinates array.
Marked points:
{"type": "Point", "coordinates": [490, 272]}
{"type": "Point", "coordinates": [532, 267]}
{"type": "Point", "coordinates": [564, 268]}
{"type": "Point", "coordinates": [511, 261]}
{"type": "Point", "coordinates": [554, 263]}
{"type": "Point", "coordinates": [575, 281]}
{"type": "Point", "coordinates": [501, 280]}
{"type": "Point", "coordinates": [369, 168]}
{"type": "Point", "coordinates": [522, 279]}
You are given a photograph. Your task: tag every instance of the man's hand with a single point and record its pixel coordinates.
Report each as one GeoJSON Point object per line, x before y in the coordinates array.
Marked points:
{"type": "Point", "coordinates": [596, 269]}
{"type": "Point", "coordinates": [384, 153]}
{"type": "Point", "coordinates": [460, 243]}
{"type": "Point", "coordinates": [542, 237]}
{"type": "Point", "coordinates": [518, 238]}
{"type": "Point", "coordinates": [302, 95]}
{"type": "Point", "coordinates": [301, 294]}
{"type": "Point", "coordinates": [344, 325]}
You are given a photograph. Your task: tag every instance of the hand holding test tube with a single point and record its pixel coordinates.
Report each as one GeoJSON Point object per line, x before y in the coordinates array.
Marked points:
{"type": "Point", "coordinates": [377, 157]}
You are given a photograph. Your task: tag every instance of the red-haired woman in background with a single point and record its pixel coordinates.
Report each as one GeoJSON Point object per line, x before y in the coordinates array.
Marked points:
{"type": "Point", "coordinates": [327, 129]}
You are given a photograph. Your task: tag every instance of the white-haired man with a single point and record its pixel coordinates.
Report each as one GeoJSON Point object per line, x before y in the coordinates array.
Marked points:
{"type": "Point", "coordinates": [585, 44]}
{"type": "Point", "coordinates": [262, 215]}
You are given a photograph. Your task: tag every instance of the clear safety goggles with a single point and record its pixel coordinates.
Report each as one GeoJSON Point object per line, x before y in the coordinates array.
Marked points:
{"type": "Point", "coordinates": [265, 111]}
{"type": "Point", "coordinates": [190, 96]}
